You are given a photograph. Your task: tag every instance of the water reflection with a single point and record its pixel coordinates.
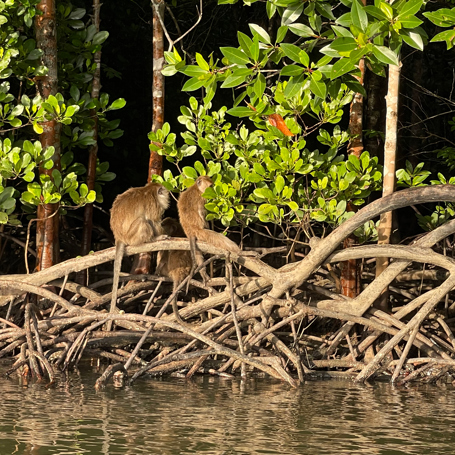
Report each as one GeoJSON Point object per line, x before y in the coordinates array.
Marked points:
{"type": "Point", "coordinates": [213, 416]}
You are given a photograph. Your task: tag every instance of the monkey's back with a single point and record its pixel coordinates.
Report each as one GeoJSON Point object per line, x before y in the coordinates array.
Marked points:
{"type": "Point", "coordinates": [174, 264]}
{"type": "Point", "coordinates": [135, 213]}
{"type": "Point", "coordinates": [191, 211]}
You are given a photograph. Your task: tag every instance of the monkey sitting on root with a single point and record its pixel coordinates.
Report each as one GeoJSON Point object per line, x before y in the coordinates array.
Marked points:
{"type": "Point", "coordinates": [192, 213]}
{"type": "Point", "coordinates": [135, 219]}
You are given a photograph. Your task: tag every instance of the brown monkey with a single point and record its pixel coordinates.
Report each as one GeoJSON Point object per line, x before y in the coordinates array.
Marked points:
{"type": "Point", "coordinates": [175, 264]}
{"type": "Point", "coordinates": [135, 219]}
{"type": "Point", "coordinates": [192, 213]}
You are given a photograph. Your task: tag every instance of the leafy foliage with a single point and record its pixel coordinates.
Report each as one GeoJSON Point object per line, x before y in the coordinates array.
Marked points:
{"type": "Point", "coordinates": [263, 175]}
{"type": "Point", "coordinates": [22, 113]}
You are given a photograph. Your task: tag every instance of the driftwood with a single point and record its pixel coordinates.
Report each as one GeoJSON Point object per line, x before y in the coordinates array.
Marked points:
{"type": "Point", "coordinates": [279, 322]}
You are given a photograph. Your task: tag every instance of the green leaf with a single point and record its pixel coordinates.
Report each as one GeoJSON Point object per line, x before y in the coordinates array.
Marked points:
{"type": "Point", "coordinates": [344, 20]}
{"type": "Point", "coordinates": [233, 80]}
{"type": "Point", "coordinates": [375, 12]}
{"type": "Point", "coordinates": [15, 122]}
{"type": "Point", "coordinates": [75, 93]}
{"type": "Point", "coordinates": [359, 16]}
{"type": "Point", "coordinates": [199, 167]}
{"type": "Point", "coordinates": [71, 110]}
{"type": "Point", "coordinates": [281, 33]}
{"type": "Point", "coordinates": [385, 55]}
{"type": "Point", "coordinates": [294, 85]}
{"type": "Point", "coordinates": [318, 88]}
{"type": "Point", "coordinates": [410, 22]}
{"type": "Point", "coordinates": [409, 8]}
{"type": "Point", "coordinates": [291, 51]}
{"type": "Point", "coordinates": [117, 104]}
{"type": "Point", "coordinates": [235, 55]}
{"type": "Point", "coordinates": [259, 86]}
{"type": "Point", "coordinates": [100, 37]}
{"type": "Point", "coordinates": [76, 14]}
{"type": "Point", "coordinates": [412, 39]}
{"type": "Point", "coordinates": [304, 58]}
{"type": "Point", "coordinates": [192, 84]}
{"type": "Point", "coordinates": [245, 43]}
{"type": "Point", "coordinates": [193, 71]}
{"type": "Point", "coordinates": [17, 110]}
{"type": "Point", "coordinates": [292, 70]}
{"type": "Point", "coordinates": [301, 30]}
{"type": "Point", "coordinates": [190, 172]}
{"type": "Point", "coordinates": [293, 206]}
{"type": "Point", "coordinates": [254, 49]}
{"type": "Point", "coordinates": [341, 32]}
{"type": "Point", "coordinates": [291, 14]}
{"type": "Point", "coordinates": [270, 7]}
{"type": "Point", "coordinates": [344, 46]}
{"type": "Point", "coordinates": [263, 35]}
{"type": "Point", "coordinates": [201, 62]}
{"type": "Point", "coordinates": [443, 17]}
{"type": "Point", "coordinates": [279, 184]}
{"type": "Point", "coordinates": [342, 66]}
{"type": "Point", "coordinates": [264, 193]}
{"type": "Point", "coordinates": [204, 143]}
{"type": "Point", "coordinates": [240, 112]}
{"type": "Point", "coordinates": [386, 9]}
{"type": "Point", "coordinates": [448, 36]}
{"type": "Point", "coordinates": [37, 128]}
{"type": "Point", "coordinates": [35, 54]}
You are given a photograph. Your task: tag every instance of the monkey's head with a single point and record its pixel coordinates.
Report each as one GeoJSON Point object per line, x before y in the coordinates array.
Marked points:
{"type": "Point", "coordinates": [203, 182]}
{"type": "Point", "coordinates": [161, 195]}
{"type": "Point", "coordinates": [172, 227]}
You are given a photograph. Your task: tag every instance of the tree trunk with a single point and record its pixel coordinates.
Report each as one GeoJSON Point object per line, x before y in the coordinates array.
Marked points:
{"type": "Point", "coordinates": [390, 147]}
{"type": "Point", "coordinates": [350, 270]}
{"type": "Point", "coordinates": [93, 151]}
{"type": "Point", "coordinates": [47, 229]}
{"type": "Point", "coordinates": [156, 161]}
{"type": "Point", "coordinates": [142, 263]}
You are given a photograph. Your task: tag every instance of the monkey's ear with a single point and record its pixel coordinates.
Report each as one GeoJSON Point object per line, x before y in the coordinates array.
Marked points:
{"type": "Point", "coordinates": [162, 190]}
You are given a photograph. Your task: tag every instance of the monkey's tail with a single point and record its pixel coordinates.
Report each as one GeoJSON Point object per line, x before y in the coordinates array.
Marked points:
{"type": "Point", "coordinates": [218, 240]}
{"type": "Point", "coordinates": [119, 251]}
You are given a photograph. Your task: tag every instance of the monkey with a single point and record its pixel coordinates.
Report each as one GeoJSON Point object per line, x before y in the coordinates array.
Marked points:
{"type": "Point", "coordinates": [135, 219]}
{"type": "Point", "coordinates": [192, 213]}
{"type": "Point", "coordinates": [175, 264]}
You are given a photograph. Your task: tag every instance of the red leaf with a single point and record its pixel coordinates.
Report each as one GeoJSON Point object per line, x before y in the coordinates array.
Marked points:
{"type": "Point", "coordinates": [277, 121]}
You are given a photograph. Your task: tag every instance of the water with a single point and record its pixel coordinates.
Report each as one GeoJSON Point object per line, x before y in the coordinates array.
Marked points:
{"type": "Point", "coordinates": [215, 416]}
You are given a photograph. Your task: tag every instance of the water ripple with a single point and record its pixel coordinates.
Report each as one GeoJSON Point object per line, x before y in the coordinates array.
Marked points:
{"type": "Point", "coordinates": [212, 416]}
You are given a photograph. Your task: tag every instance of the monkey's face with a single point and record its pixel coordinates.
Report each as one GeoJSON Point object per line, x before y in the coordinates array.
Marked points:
{"type": "Point", "coordinates": [203, 182]}
{"type": "Point", "coordinates": [163, 197]}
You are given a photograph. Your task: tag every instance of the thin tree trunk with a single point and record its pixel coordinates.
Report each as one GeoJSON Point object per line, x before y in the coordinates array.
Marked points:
{"type": "Point", "coordinates": [350, 270]}
{"type": "Point", "coordinates": [47, 228]}
{"type": "Point", "coordinates": [93, 151]}
{"type": "Point", "coordinates": [143, 262]}
{"type": "Point", "coordinates": [375, 108]}
{"type": "Point", "coordinates": [390, 148]}
{"type": "Point", "coordinates": [156, 161]}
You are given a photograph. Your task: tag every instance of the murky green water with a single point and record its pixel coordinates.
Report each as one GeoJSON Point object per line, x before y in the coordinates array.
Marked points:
{"type": "Point", "coordinates": [215, 416]}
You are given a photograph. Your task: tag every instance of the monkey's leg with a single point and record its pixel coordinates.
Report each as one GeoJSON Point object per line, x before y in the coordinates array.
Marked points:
{"type": "Point", "coordinates": [193, 261]}
{"type": "Point", "coordinates": [197, 259]}
{"type": "Point", "coordinates": [202, 272]}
